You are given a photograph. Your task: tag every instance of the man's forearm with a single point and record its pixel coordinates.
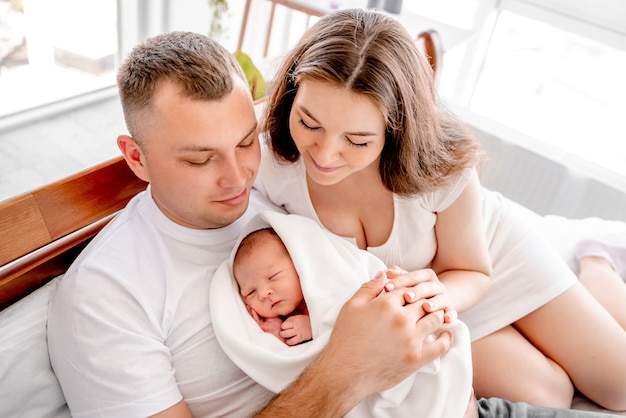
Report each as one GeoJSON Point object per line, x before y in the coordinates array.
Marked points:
{"type": "Point", "coordinates": [322, 390]}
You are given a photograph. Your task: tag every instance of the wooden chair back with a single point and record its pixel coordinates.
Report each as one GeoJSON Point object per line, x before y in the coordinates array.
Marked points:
{"type": "Point", "coordinates": [42, 231]}
{"type": "Point", "coordinates": [430, 42]}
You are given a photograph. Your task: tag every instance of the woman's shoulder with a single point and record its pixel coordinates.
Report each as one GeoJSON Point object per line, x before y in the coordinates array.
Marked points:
{"type": "Point", "coordinates": [440, 198]}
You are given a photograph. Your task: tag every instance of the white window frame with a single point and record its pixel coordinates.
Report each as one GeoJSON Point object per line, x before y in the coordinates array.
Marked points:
{"type": "Point", "coordinates": [600, 20]}
{"type": "Point", "coordinates": [136, 20]}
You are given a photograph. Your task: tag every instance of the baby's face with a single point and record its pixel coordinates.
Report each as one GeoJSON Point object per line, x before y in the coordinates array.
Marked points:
{"type": "Point", "coordinates": [267, 278]}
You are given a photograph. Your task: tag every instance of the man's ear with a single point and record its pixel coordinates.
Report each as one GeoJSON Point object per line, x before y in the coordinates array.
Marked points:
{"type": "Point", "coordinates": [133, 156]}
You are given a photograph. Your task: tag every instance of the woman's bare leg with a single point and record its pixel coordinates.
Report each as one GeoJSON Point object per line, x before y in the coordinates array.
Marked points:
{"type": "Point", "coordinates": [506, 365]}
{"type": "Point", "coordinates": [580, 335]}
{"type": "Point", "coordinates": [603, 282]}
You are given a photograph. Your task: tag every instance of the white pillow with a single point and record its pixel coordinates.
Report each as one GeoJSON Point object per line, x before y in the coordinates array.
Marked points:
{"type": "Point", "coordinates": [28, 386]}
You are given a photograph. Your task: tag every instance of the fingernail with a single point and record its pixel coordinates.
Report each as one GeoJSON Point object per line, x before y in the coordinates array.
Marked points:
{"type": "Point", "coordinates": [411, 294]}
{"type": "Point", "coordinates": [389, 287]}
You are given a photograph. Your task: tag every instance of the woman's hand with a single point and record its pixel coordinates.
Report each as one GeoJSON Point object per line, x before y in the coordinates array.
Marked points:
{"type": "Point", "coordinates": [422, 285]}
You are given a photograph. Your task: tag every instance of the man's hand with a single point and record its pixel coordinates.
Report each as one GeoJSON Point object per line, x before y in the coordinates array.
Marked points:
{"type": "Point", "coordinates": [378, 340]}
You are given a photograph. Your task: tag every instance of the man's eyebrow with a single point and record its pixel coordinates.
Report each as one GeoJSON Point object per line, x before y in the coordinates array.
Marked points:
{"type": "Point", "coordinates": [202, 148]}
{"type": "Point", "coordinates": [355, 133]}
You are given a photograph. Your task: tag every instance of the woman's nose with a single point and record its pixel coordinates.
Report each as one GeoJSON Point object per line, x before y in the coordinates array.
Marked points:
{"type": "Point", "coordinates": [326, 151]}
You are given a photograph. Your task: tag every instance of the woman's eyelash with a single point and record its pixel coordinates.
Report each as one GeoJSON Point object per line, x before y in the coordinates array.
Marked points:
{"type": "Point", "coordinates": [310, 128]}
{"type": "Point", "coordinates": [354, 144]}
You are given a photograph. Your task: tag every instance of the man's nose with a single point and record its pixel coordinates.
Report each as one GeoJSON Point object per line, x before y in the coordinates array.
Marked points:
{"type": "Point", "coordinates": [232, 172]}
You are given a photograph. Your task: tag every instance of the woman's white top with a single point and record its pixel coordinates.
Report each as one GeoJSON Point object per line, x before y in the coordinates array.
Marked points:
{"type": "Point", "coordinates": [528, 271]}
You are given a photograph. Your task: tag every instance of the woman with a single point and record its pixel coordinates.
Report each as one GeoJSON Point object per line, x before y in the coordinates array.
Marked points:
{"type": "Point", "coordinates": [370, 154]}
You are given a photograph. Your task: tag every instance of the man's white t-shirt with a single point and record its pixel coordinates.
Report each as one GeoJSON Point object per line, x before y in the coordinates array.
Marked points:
{"type": "Point", "coordinates": [130, 330]}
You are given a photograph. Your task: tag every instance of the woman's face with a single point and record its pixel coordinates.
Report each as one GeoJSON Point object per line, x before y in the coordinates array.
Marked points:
{"type": "Point", "coordinates": [338, 132]}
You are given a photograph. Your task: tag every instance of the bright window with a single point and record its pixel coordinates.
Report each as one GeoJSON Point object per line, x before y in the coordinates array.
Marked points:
{"type": "Point", "coordinates": [549, 71]}
{"type": "Point", "coordinates": [51, 50]}
{"type": "Point", "coordinates": [556, 86]}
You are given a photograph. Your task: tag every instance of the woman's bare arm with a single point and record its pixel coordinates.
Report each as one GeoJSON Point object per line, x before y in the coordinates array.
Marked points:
{"type": "Point", "coordinates": [462, 261]}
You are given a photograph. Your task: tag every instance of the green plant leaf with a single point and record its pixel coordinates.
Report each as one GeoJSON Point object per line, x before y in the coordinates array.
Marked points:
{"type": "Point", "coordinates": [253, 75]}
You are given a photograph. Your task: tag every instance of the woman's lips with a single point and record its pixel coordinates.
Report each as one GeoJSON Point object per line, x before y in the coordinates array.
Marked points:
{"type": "Point", "coordinates": [324, 169]}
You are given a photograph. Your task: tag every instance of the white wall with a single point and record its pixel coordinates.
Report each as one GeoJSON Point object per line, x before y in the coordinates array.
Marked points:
{"type": "Point", "coordinates": [545, 185]}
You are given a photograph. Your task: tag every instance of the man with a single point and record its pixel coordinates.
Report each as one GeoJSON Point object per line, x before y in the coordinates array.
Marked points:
{"type": "Point", "coordinates": [129, 327]}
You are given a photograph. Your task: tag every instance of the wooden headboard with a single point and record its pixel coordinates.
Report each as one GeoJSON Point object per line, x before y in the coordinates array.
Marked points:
{"type": "Point", "coordinates": [41, 232]}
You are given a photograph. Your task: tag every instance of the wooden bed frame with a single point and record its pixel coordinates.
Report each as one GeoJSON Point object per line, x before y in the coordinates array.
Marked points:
{"type": "Point", "coordinates": [42, 232]}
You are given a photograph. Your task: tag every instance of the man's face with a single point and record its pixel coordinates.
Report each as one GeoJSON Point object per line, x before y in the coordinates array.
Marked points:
{"type": "Point", "coordinates": [201, 157]}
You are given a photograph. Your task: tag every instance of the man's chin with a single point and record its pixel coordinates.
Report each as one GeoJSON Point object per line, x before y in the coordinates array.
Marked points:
{"type": "Point", "coordinates": [229, 214]}
{"type": "Point", "coordinates": [233, 217]}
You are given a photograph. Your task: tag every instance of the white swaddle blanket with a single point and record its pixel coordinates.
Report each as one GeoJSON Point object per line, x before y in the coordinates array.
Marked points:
{"type": "Point", "coordinates": [331, 269]}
